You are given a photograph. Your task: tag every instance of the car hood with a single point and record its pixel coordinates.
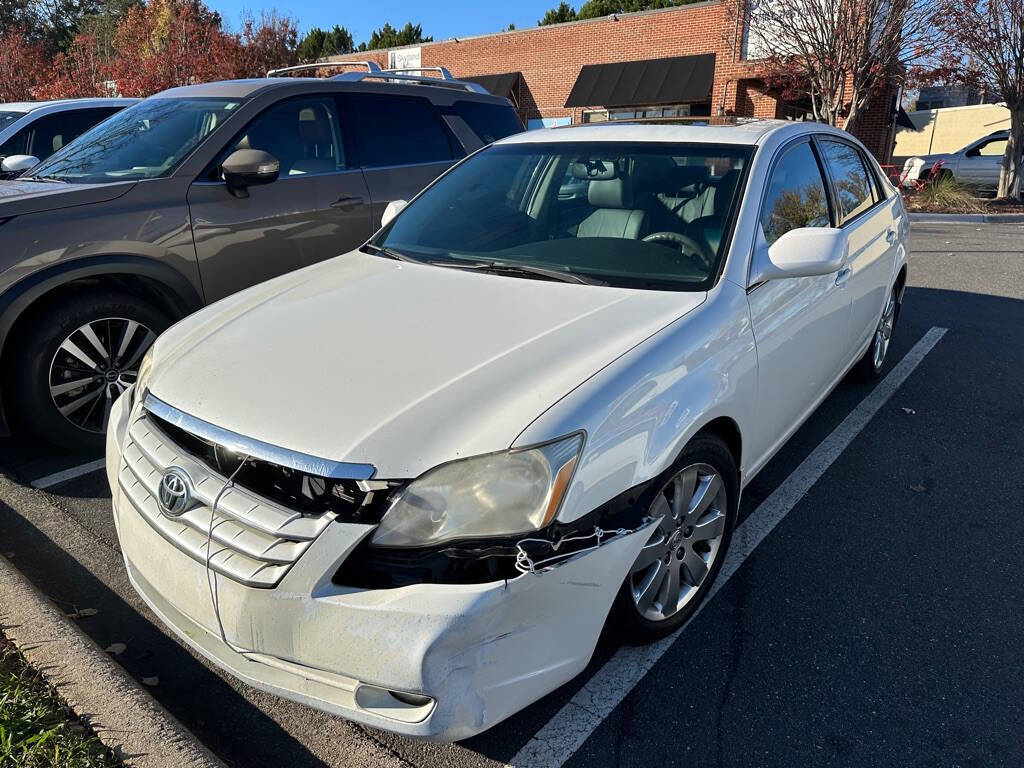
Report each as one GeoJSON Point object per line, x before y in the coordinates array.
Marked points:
{"type": "Point", "coordinates": [932, 159]}
{"type": "Point", "coordinates": [19, 197]}
{"type": "Point", "coordinates": [403, 366]}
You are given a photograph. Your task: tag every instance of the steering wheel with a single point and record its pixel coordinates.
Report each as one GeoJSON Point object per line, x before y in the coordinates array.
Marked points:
{"type": "Point", "coordinates": [687, 245]}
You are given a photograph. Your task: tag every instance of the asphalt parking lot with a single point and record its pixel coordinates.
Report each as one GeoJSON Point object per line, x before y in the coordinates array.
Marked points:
{"type": "Point", "coordinates": [871, 614]}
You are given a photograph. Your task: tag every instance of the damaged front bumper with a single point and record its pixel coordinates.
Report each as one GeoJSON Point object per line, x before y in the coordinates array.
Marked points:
{"type": "Point", "coordinates": [439, 661]}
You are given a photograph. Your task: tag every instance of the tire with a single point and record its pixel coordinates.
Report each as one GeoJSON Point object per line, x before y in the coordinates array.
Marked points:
{"type": "Point", "coordinates": [652, 614]}
{"type": "Point", "coordinates": [871, 365]}
{"type": "Point", "coordinates": [56, 351]}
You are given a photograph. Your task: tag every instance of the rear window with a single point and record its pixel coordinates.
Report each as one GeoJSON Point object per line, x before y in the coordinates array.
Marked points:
{"type": "Point", "coordinates": [489, 121]}
{"type": "Point", "coordinates": [395, 130]}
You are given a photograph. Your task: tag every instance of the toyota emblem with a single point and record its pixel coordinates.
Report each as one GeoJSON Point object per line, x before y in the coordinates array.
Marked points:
{"type": "Point", "coordinates": [175, 494]}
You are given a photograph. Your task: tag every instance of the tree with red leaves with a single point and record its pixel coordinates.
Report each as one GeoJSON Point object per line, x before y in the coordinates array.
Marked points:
{"type": "Point", "coordinates": [167, 43]}
{"type": "Point", "coordinates": [267, 44]}
{"type": "Point", "coordinates": [835, 54]}
{"type": "Point", "coordinates": [982, 46]}
{"type": "Point", "coordinates": [23, 65]}
{"type": "Point", "coordinates": [75, 73]}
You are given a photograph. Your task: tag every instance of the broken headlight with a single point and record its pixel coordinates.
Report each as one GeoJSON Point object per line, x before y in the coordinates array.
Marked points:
{"type": "Point", "coordinates": [498, 494]}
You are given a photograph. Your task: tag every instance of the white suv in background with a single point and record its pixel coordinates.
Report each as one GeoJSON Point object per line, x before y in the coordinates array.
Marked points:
{"type": "Point", "coordinates": [410, 485]}
{"type": "Point", "coordinates": [976, 165]}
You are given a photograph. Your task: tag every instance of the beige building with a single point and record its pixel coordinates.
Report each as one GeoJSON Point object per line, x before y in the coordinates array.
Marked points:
{"type": "Point", "coordinates": [950, 129]}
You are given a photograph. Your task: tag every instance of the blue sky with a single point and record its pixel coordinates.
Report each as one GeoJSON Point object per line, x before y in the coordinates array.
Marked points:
{"type": "Point", "coordinates": [449, 18]}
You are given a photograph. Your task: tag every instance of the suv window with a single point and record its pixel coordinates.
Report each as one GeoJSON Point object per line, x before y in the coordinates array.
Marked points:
{"type": "Point", "coordinates": [302, 134]}
{"type": "Point", "coordinates": [489, 121]}
{"type": "Point", "coordinates": [849, 177]}
{"type": "Point", "coordinates": [992, 148]}
{"type": "Point", "coordinates": [796, 194]}
{"type": "Point", "coordinates": [50, 133]}
{"type": "Point", "coordinates": [396, 130]}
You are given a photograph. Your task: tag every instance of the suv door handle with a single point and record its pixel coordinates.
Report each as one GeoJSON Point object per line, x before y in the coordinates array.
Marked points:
{"type": "Point", "coordinates": [843, 275]}
{"type": "Point", "coordinates": [890, 237]}
{"type": "Point", "coordinates": [347, 201]}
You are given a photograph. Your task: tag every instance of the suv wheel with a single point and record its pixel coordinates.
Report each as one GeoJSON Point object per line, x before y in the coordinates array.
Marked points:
{"type": "Point", "coordinates": [696, 504]}
{"type": "Point", "coordinates": [76, 359]}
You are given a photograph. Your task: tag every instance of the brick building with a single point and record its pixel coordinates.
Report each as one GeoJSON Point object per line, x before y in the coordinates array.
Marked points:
{"type": "Point", "coordinates": [672, 62]}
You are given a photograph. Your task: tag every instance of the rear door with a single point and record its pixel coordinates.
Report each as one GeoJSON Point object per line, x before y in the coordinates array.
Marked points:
{"type": "Point", "coordinates": [318, 207]}
{"type": "Point", "coordinates": [868, 218]}
{"type": "Point", "coordinates": [401, 144]}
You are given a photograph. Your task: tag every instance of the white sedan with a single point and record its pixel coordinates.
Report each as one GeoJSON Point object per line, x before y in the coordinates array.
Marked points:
{"type": "Point", "coordinates": [411, 485]}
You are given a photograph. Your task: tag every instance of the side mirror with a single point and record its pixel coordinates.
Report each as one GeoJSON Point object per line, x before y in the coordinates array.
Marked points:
{"type": "Point", "coordinates": [973, 152]}
{"type": "Point", "coordinates": [802, 252]}
{"type": "Point", "coordinates": [18, 163]}
{"type": "Point", "coordinates": [245, 168]}
{"type": "Point", "coordinates": [392, 210]}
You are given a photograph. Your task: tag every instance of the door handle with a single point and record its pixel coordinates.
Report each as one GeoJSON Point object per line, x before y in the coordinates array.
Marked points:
{"type": "Point", "coordinates": [347, 201]}
{"type": "Point", "coordinates": [890, 237]}
{"type": "Point", "coordinates": [843, 275]}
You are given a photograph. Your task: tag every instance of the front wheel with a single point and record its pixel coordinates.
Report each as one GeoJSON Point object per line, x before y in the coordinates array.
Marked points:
{"type": "Point", "coordinates": [78, 356]}
{"type": "Point", "coordinates": [695, 506]}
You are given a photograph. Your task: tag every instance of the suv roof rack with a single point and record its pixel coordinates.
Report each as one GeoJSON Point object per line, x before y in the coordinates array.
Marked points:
{"type": "Point", "coordinates": [371, 68]}
{"type": "Point", "coordinates": [399, 75]}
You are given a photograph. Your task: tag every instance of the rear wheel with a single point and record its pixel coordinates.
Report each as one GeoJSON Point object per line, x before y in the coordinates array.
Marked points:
{"type": "Point", "coordinates": [77, 358]}
{"type": "Point", "coordinates": [871, 365]}
{"type": "Point", "coordinates": [695, 506]}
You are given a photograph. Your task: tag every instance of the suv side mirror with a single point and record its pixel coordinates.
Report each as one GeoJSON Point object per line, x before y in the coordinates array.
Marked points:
{"type": "Point", "coordinates": [18, 163]}
{"type": "Point", "coordinates": [393, 208]}
{"type": "Point", "coordinates": [802, 252]}
{"type": "Point", "coordinates": [245, 168]}
{"type": "Point", "coordinates": [973, 152]}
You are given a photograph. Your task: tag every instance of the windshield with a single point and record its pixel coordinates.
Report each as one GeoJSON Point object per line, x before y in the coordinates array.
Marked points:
{"type": "Point", "coordinates": [634, 215]}
{"type": "Point", "coordinates": [6, 118]}
{"type": "Point", "coordinates": [144, 141]}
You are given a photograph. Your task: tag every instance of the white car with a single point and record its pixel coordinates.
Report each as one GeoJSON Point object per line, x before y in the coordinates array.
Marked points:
{"type": "Point", "coordinates": [31, 131]}
{"type": "Point", "coordinates": [977, 165]}
{"type": "Point", "coordinates": [411, 484]}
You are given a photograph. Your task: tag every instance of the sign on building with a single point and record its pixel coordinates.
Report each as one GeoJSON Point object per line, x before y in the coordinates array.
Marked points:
{"type": "Point", "coordinates": [404, 58]}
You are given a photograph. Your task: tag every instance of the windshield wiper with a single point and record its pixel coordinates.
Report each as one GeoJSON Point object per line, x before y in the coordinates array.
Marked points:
{"type": "Point", "coordinates": [42, 178]}
{"type": "Point", "coordinates": [380, 250]}
{"type": "Point", "coordinates": [506, 268]}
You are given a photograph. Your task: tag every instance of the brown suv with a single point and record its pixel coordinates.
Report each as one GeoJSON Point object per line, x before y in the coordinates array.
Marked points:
{"type": "Point", "coordinates": [191, 195]}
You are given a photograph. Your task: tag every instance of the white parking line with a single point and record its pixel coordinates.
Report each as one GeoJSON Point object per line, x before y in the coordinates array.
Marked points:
{"type": "Point", "coordinates": [566, 732]}
{"type": "Point", "coordinates": [68, 474]}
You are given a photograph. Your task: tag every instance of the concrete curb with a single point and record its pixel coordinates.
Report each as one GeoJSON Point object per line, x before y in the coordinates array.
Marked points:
{"type": "Point", "coordinates": [124, 717]}
{"type": "Point", "coordinates": [967, 218]}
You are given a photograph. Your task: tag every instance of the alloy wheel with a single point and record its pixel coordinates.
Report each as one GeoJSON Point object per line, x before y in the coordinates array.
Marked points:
{"type": "Point", "coordinates": [883, 333]}
{"type": "Point", "coordinates": [678, 557]}
{"type": "Point", "coordinates": [93, 366]}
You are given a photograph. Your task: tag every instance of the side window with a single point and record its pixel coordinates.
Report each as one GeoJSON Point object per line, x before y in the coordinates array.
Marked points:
{"type": "Point", "coordinates": [489, 121]}
{"type": "Point", "coordinates": [850, 177]}
{"type": "Point", "coordinates": [302, 134]}
{"type": "Point", "coordinates": [796, 194]}
{"type": "Point", "coordinates": [17, 144]}
{"type": "Point", "coordinates": [991, 148]}
{"type": "Point", "coordinates": [58, 130]}
{"type": "Point", "coordinates": [396, 130]}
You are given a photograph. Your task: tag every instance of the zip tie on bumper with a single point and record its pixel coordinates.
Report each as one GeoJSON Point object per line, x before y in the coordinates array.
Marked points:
{"type": "Point", "coordinates": [526, 564]}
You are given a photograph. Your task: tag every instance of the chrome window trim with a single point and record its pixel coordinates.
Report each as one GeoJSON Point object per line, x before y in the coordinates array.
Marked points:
{"type": "Point", "coordinates": [257, 449]}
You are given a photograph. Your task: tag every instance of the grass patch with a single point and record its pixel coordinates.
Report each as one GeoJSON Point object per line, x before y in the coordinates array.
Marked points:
{"type": "Point", "coordinates": [37, 729]}
{"type": "Point", "coordinates": [947, 195]}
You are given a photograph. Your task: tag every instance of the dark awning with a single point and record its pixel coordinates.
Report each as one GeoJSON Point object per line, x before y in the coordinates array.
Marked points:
{"type": "Point", "coordinates": [903, 120]}
{"type": "Point", "coordinates": [500, 85]}
{"type": "Point", "coordinates": [674, 80]}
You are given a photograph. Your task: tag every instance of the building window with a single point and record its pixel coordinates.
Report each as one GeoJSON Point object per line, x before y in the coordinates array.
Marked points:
{"type": "Point", "coordinates": [647, 113]}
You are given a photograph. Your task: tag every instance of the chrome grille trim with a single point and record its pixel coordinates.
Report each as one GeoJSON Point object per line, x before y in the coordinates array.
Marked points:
{"type": "Point", "coordinates": [257, 449]}
{"type": "Point", "coordinates": [254, 541]}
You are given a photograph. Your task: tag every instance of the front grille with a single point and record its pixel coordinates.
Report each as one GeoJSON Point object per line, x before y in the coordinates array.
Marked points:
{"type": "Point", "coordinates": [254, 540]}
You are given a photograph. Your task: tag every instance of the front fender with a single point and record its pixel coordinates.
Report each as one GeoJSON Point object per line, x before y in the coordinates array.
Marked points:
{"type": "Point", "coordinates": [640, 411]}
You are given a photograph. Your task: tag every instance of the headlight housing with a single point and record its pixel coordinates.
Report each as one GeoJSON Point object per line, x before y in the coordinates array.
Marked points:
{"type": "Point", "coordinates": [142, 380]}
{"type": "Point", "coordinates": [499, 494]}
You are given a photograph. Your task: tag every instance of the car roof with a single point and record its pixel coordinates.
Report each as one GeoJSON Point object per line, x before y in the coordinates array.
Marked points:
{"type": "Point", "coordinates": [729, 131]}
{"type": "Point", "coordinates": [31, 106]}
{"type": "Point", "coordinates": [245, 88]}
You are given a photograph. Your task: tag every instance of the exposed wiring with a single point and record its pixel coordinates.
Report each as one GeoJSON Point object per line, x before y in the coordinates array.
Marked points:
{"type": "Point", "coordinates": [526, 564]}
{"type": "Point", "coordinates": [211, 576]}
